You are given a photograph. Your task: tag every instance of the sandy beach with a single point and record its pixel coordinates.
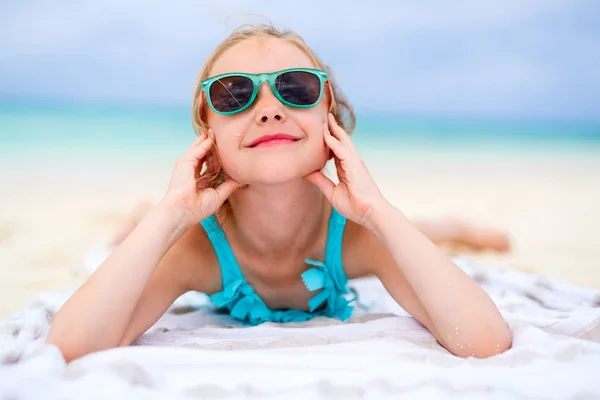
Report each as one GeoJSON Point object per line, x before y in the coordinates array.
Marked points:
{"type": "Point", "coordinates": [53, 209]}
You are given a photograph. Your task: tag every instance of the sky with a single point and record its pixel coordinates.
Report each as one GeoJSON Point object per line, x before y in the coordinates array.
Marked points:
{"type": "Point", "coordinates": [488, 58]}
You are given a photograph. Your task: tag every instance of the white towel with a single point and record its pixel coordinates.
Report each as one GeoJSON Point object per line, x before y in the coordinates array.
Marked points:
{"type": "Point", "coordinates": [382, 354]}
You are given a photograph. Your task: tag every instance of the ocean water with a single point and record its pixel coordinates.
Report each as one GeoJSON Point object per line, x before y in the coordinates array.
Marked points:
{"type": "Point", "coordinates": [58, 129]}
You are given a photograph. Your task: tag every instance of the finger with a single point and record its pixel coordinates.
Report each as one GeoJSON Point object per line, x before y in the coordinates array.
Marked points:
{"type": "Point", "coordinates": [334, 144]}
{"type": "Point", "coordinates": [193, 159]}
{"type": "Point", "coordinates": [340, 171]}
{"type": "Point", "coordinates": [325, 184]}
{"type": "Point", "coordinates": [210, 134]}
{"type": "Point", "coordinates": [225, 190]}
{"type": "Point", "coordinates": [206, 134]}
{"type": "Point", "coordinates": [338, 166]}
{"type": "Point", "coordinates": [198, 150]}
{"type": "Point", "coordinates": [337, 130]}
{"type": "Point", "coordinates": [339, 133]}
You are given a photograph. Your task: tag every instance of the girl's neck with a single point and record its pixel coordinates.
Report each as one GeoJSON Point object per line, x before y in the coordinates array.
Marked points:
{"type": "Point", "coordinates": [274, 223]}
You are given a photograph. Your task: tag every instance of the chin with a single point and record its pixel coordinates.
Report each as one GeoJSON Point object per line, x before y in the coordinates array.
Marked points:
{"type": "Point", "coordinates": [275, 171]}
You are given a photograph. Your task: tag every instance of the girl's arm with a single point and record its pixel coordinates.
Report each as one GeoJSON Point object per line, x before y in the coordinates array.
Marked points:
{"type": "Point", "coordinates": [417, 274]}
{"type": "Point", "coordinates": [130, 290]}
{"type": "Point", "coordinates": [97, 316]}
{"type": "Point", "coordinates": [429, 286]}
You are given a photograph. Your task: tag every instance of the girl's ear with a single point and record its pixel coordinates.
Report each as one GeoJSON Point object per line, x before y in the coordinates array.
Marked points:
{"type": "Point", "coordinates": [332, 103]}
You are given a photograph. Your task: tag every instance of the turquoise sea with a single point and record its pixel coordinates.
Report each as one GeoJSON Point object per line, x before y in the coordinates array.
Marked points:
{"type": "Point", "coordinates": [55, 128]}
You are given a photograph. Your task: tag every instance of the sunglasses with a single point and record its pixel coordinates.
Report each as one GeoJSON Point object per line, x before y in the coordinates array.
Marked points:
{"type": "Point", "coordinates": [234, 92]}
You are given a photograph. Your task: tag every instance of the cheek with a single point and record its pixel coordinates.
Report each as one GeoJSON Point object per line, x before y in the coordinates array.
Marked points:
{"type": "Point", "coordinates": [314, 131]}
{"type": "Point", "coordinates": [311, 123]}
{"type": "Point", "coordinates": [230, 165]}
{"type": "Point", "coordinates": [318, 152]}
{"type": "Point", "coordinates": [226, 150]}
{"type": "Point", "coordinates": [225, 129]}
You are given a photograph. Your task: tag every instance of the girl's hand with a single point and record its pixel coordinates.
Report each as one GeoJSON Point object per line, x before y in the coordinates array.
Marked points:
{"type": "Point", "coordinates": [356, 195]}
{"type": "Point", "coordinates": [190, 190]}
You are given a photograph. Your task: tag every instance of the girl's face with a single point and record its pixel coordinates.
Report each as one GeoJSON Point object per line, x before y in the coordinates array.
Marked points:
{"type": "Point", "coordinates": [278, 161]}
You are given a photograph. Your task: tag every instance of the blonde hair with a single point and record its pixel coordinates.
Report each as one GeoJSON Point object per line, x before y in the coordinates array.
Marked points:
{"type": "Point", "coordinates": [339, 105]}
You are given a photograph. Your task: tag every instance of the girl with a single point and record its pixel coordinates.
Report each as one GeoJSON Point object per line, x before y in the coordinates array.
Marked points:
{"type": "Point", "coordinates": [261, 229]}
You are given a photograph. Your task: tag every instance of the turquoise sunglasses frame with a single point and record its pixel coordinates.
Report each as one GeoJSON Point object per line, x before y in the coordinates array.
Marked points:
{"type": "Point", "coordinates": [258, 79]}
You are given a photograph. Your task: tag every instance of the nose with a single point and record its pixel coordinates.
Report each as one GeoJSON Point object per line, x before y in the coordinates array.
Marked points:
{"type": "Point", "coordinates": [268, 107]}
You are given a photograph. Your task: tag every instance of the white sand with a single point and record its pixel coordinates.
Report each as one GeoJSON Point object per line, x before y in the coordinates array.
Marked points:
{"type": "Point", "coordinates": [53, 209]}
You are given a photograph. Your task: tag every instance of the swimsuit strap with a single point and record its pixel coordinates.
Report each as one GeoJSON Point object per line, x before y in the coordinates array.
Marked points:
{"type": "Point", "coordinates": [333, 252]}
{"type": "Point", "coordinates": [230, 270]}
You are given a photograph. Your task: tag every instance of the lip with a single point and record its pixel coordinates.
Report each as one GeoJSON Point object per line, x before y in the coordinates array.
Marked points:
{"type": "Point", "coordinates": [273, 136]}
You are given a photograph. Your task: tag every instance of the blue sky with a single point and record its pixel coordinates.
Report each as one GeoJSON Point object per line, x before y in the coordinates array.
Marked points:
{"type": "Point", "coordinates": [507, 58]}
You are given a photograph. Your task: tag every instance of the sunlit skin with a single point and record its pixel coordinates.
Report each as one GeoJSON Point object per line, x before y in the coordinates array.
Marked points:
{"type": "Point", "coordinates": [280, 205]}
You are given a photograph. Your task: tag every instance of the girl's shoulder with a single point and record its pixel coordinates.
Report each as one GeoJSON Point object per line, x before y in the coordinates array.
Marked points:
{"type": "Point", "coordinates": [362, 251]}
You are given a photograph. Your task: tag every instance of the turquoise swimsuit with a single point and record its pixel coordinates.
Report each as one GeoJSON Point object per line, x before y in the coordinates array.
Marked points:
{"type": "Point", "coordinates": [244, 304]}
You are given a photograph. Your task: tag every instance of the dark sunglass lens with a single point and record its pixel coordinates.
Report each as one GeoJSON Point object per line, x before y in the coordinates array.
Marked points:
{"type": "Point", "coordinates": [231, 93]}
{"type": "Point", "coordinates": [299, 87]}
